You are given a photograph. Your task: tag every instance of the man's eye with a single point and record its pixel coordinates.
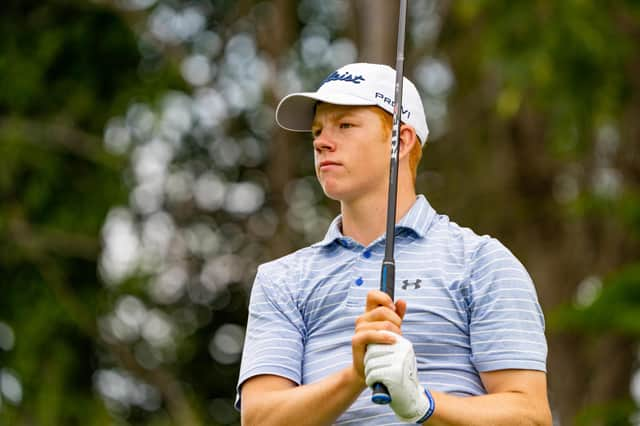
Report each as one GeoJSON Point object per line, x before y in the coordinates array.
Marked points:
{"type": "Point", "coordinates": [345, 125]}
{"type": "Point", "coordinates": [316, 132]}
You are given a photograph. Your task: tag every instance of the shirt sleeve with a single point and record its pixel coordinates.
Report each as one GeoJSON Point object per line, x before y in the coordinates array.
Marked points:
{"type": "Point", "coordinates": [506, 321]}
{"type": "Point", "coordinates": [274, 340]}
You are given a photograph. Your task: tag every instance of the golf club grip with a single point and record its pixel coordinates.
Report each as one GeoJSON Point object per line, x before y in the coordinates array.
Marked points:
{"type": "Point", "coordinates": [380, 394]}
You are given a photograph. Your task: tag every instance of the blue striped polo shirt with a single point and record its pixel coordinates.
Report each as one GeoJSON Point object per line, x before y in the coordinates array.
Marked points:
{"type": "Point", "coordinates": [471, 307]}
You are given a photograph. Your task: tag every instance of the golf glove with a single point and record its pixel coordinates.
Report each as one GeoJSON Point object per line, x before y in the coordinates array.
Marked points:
{"type": "Point", "coordinates": [395, 366]}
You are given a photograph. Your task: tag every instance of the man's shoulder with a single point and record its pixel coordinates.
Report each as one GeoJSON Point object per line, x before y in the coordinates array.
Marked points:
{"type": "Point", "coordinates": [479, 249]}
{"type": "Point", "coordinates": [481, 254]}
{"type": "Point", "coordinates": [454, 233]}
{"type": "Point", "coordinates": [290, 264]}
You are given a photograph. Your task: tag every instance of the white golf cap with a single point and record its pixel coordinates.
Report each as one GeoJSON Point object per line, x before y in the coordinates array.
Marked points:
{"type": "Point", "coordinates": [358, 84]}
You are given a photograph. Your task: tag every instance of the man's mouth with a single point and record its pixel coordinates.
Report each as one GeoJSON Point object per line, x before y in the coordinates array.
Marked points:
{"type": "Point", "coordinates": [324, 165]}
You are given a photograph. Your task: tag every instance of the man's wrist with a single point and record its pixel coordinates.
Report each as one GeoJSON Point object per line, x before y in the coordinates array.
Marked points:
{"type": "Point", "coordinates": [352, 380]}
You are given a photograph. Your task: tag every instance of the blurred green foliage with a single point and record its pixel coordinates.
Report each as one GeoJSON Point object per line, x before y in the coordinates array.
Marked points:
{"type": "Point", "coordinates": [66, 68]}
{"type": "Point", "coordinates": [614, 309]}
{"type": "Point", "coordinates": [613, 414]}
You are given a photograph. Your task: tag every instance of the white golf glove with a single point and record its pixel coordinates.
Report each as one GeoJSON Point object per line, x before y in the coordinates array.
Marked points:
{"type": "Point", "coordinates": [395, 366]}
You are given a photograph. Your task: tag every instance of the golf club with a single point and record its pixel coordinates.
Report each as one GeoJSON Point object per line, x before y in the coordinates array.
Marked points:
{"type": "Point", "coordinates": [387, 280]}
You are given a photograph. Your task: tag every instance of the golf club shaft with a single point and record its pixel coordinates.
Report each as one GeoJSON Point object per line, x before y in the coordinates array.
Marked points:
{"type": "Point", "coordinates": [387, 279]}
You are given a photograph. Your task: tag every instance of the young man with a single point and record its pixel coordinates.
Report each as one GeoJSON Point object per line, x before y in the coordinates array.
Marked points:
{"type": "Point", "coordinates": [464, 343]}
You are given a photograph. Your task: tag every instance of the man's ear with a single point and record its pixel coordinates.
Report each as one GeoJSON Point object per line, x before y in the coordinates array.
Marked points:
{"type": "Point", "coordinates": [408, 139]}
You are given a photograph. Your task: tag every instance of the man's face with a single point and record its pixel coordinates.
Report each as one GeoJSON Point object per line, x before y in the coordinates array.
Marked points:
{"type": "Point", "coordinates": [352, 152]}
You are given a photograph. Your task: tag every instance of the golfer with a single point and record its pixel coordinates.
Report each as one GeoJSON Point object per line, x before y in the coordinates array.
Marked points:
{"type": "Point", "coordinates": [463, 344]}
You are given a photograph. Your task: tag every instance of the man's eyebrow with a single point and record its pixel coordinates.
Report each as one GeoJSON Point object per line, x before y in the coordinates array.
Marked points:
{"type": "Point", "coordinates": [334, 116]}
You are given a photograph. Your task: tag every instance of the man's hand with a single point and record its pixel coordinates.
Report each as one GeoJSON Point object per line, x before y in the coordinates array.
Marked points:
{"type": "Point", "coordinates": [394, 365]}
{"type": "Point", "coordinates": [381, 314]}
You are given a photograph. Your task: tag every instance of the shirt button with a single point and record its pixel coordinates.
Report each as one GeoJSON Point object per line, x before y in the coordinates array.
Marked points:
{"type": "Point", "coordinates": [359, 281]}
{"type": "Point", "coordinates": [367, 254]}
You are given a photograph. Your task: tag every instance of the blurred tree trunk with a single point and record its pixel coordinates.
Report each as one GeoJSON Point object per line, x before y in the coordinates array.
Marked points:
{"type": "Point", "coordinates": [377, 22]}
{"type": "Point", "coordinates": [276, 33]}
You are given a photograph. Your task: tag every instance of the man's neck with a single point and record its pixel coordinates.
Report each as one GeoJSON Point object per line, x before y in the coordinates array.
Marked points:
{"type": "Point", "coordinates": [365, 219]}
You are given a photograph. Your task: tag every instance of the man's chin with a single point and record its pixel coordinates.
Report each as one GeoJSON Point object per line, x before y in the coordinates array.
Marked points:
{"type": "Point", "coordinates": [333, 193]}
{"type": "Point", "coordinates": [340, 196]}
{"type": "Point", "coordinates": [332, 196]}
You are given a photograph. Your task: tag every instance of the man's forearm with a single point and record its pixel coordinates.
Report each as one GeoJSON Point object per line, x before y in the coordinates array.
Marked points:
{"type": "Point", "coordinates": [506, 408]}
{"type": "Point", "coordinates": [319, 403]}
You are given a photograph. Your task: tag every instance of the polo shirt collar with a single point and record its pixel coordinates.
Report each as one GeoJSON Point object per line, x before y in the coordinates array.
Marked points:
{"type": "Point", "coordinates": [417, 220]}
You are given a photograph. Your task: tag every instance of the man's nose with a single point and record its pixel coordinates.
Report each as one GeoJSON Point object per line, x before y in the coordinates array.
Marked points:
{"type": "Point", "coordinates": [324, 142]}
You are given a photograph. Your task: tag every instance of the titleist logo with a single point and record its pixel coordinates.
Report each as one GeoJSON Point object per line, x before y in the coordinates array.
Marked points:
{"type": "Point", "coordinates": [348, 77]}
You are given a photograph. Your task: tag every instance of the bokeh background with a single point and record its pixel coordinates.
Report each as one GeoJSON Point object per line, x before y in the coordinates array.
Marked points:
{"type": "Point", "coordinates": [143, 179]}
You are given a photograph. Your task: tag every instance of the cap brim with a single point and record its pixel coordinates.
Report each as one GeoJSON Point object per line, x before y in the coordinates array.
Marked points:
{"type": "Point", "coordinates": [295, 111]}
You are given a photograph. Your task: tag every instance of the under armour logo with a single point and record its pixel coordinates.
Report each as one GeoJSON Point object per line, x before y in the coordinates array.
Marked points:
{"type": "Point", "coordinates": [407, 283]}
